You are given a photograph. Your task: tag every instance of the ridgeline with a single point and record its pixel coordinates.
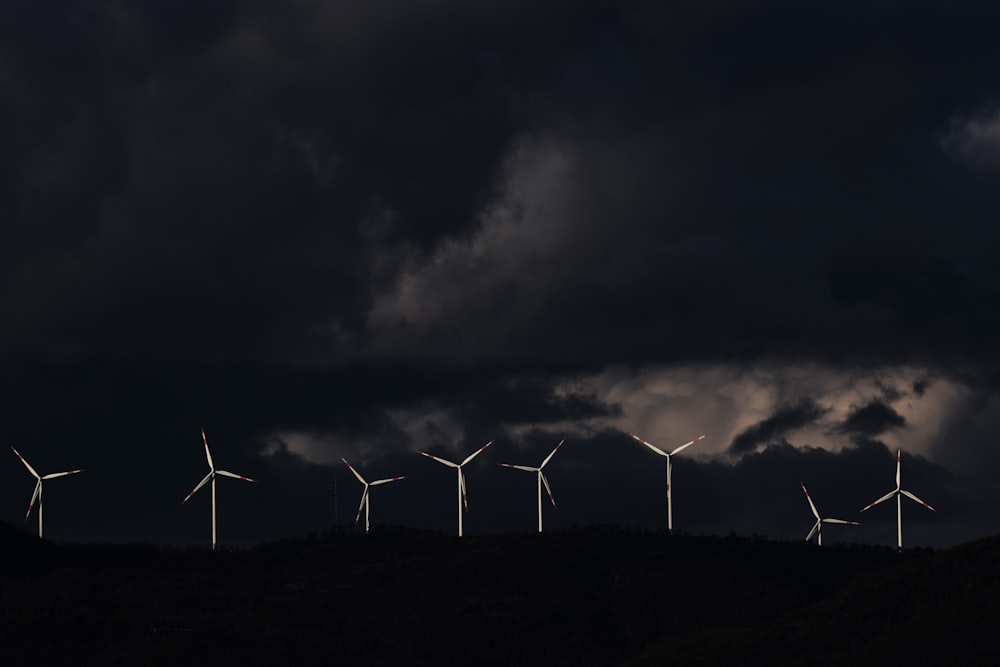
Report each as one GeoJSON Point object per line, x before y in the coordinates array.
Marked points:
{"type": "Point", "coordinates": [588, 596]}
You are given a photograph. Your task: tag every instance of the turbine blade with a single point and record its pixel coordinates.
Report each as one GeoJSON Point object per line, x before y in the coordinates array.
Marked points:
{"type": "Point", "coordinates": [61, 474]}
{"type": "Point", "coordinates": [880, 500]}
{"type": "Point", "coordinates": [26, 464]}
{"type": "Point", "coordinates": [356, 473]}
{"type": "Point", "coordinates": [34, 497]}
{"type": "Point", "coordinates": [386, 481]}
{"type": "Point", "coordinates": [811, 506]}
{"type": "Point", "coordinates": [476, 453]}
{"type": "Point", "coordinates": [364, 495]}
{"type": "Point", "coordinates": [547, 488]}
{"type": "Point", "coordinates": [200, 484]}
{"type": "Point", "coordinates": [813, 531]}
{"type": "Point", "coordinates": [549, 457]}
{"type": "Point", "coordinates": [439, 460]}
{"type": "Point", "coordinates": [649, 444]}
{"type": "Point", "coordinates": [913, 497]}
{"type": "Point", "coordinates": [688, 444]}
{"type": "Point", "coordinates": [208, 454]}
{"type": "Point", "coordinates": [849, 523]}
{"type": "Point", "coordinates": [461, 482]}
{"type": "Point", "coordinates": [235, 476]}
{"type": "Point", "coordinates": [511, 465]}
{"type": "Point", "coordinates": [898, 457]}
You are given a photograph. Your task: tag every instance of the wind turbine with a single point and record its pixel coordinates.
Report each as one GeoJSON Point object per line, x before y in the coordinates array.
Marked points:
{"type": "Point", "coordinates": [670, 506]}
{"type": "Point", "coordinates": [37, 495]}
{"type": "Point", "coordinates": [364, 496]}
{"type": "Point", "coordinates": [212, 472]}
{"type": "Point", "coordinates": [462, 499]}
{"type": "Point", "coordinates": [541, 480]}
{"type": "Point", "coordinates": [818, 528]}
{"type": "Point", "coordinates": [898, 492]}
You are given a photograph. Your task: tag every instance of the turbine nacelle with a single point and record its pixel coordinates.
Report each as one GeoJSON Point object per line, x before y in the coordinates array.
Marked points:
{"type": "Point", "coordinates": [817, 528]}
{"type": "Point", "coordinates": [667, 456]}
{"type": "Point", "coordinates": [463, 500]}
{"type": "Point", "coordinates": [210, 477]}
{"type": "Point", "coordinates": [37, 494]}
{"type": "Point", "coordinates": [677, 450]}
{"type": "Point", "coordinates": [365, 495]}
{"type": "Point", "coordinates": [541, 480]}
{"type": "Point", "coordinates": [898, 494]}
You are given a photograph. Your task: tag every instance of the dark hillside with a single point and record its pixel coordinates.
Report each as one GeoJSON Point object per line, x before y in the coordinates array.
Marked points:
{"type": "Point", "coordinates": [938, 609]}
{"type": "Point", "coordinates": [593, 596]}
{"type": "Point", "coordinates": [23, 553]}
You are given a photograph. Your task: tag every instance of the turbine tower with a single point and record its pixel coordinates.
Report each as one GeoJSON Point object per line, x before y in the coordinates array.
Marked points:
{"type": "Point", "coordinates": [678, 450]}
{"type": "Point", "coordinates": [541, 480]}
{"type": "Point", "coordinates": [818, 528]}
{"type": "Point", "coordinates": [365, 495]}
{"type": "Point", "coordinates": [462, 499]}
{"type": "Point", "coordinates": [898, 492]}
{"type": "Point", "coordinates": [212, 473]}
{"type": "Point", "coordinates": [37, 495]}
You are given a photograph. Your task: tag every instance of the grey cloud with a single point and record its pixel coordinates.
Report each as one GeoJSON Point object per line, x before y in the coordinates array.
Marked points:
{"type": "Point", "coordinates": [784, 421]}
{"type": "Point", "coordinates": [871, 419]}
{"type": "Point", "coordinates": [975, 139]}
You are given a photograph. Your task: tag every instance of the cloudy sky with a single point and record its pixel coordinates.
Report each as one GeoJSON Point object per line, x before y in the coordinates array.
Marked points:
{"type": "Point", "coordinates": [324, 229]}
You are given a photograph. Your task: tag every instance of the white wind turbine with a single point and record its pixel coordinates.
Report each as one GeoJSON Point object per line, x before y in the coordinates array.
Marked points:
{"type": "Point", "coordinates": [898, 492]}
{"type": "Point", "coordinates": [365, 496]}
{"type": "Point", "coordinates": [212, 473]}
{"type": "Point", "coordinates": [818, 528]}
{"type": "Point", "coordinates": [37, 495]}
{"type": "Point", "coordinates": [670, 506]}
{"type": "Point", "coordinates": [541, 480]}
{"type": "Point", "coordinates": [462, 500]}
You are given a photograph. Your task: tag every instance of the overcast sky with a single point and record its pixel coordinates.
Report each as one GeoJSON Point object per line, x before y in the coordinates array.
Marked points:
{"type": "Point", "coordinates": [363, 228]}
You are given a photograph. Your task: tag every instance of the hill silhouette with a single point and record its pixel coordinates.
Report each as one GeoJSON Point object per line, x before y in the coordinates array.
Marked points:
{"type": "Point", "coordinates": [590, 596]}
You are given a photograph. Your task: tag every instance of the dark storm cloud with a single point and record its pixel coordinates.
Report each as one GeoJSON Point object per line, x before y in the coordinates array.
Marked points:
{"type": "Point", "coordinates": [225, 195]}
{"type": "Point", "coordinates": [243, 180]}
{"type": "Point", "coordinates": [523, 401]}
{"type": "Point", "coordinates": [774, 428]}
{"type": "Point", "coordinates": [774, 213]}
{"type": "Point", "coordinates": [871, 420]}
